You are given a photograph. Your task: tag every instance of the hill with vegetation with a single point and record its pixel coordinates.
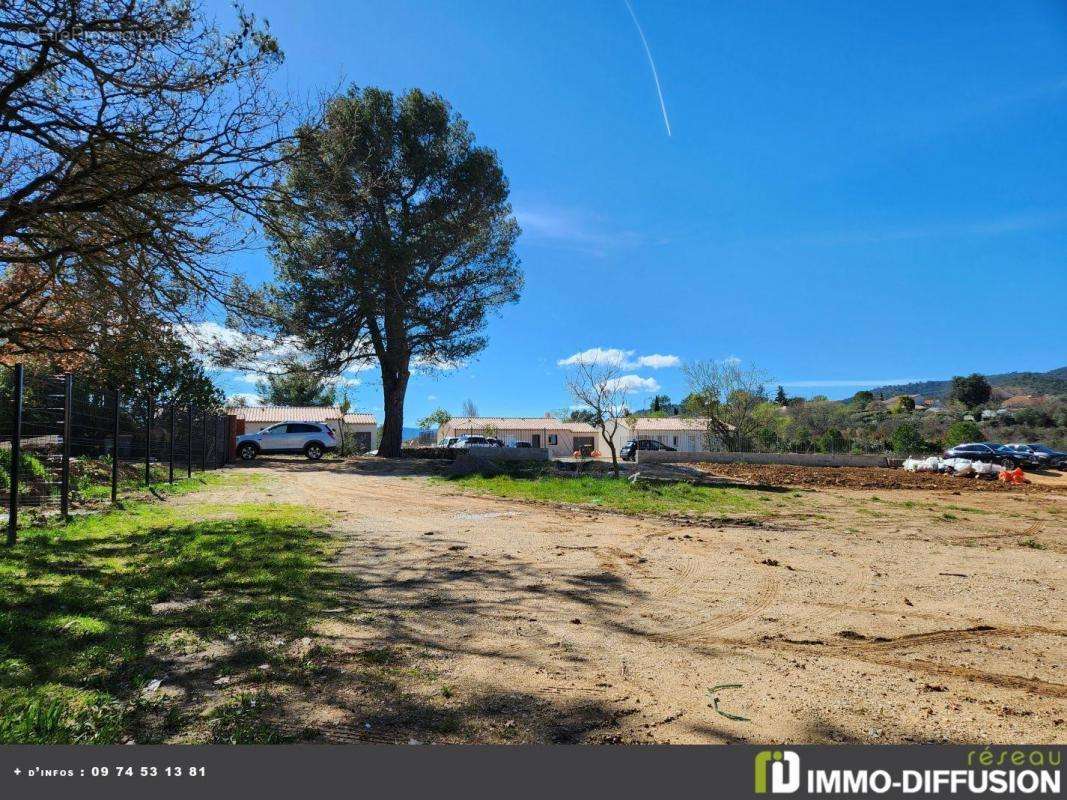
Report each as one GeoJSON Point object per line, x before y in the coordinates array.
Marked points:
{"type": "Point", "coordinates": [1053, 382]}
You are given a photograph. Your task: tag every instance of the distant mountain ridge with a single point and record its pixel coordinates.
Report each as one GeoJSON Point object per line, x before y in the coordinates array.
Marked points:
{"type": "Point", "coordinates": [1052, 382]}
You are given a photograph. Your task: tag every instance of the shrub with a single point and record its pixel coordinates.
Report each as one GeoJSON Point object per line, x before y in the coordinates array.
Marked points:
{"type": "Point", "coordinates": [32, 470]}
{"type": "Point", "coordinates": [905, 404]}
{"type": "Point", "coordinates": [833, 441]}
{"type": "Point", "coordinates": [907, 439]}
{"type": "Point", "coordinates": [963, 431]}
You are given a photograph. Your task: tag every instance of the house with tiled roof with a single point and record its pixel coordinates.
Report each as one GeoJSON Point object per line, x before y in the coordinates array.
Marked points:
{"type": "Point", "coordinates": [687, 434]}
{"type": "Point", "coordinates": [559, 438]}
{"type": "Point", "coordinates": [360, 429]}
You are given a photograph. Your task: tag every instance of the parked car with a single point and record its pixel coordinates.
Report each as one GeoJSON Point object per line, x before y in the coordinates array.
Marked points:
{"type": "Point", "coordinates": [313, 439]}
{"type": "Point", "coordinates": [992, 453]}
{"type": "Point", "coordinates": [494, 442]}
{"type": "Point", "coordinates": [523, 444]}
{"type": "Point", "coordinates": [465, 442]}
{"type": "Point", "coordinates": [629, 450]}
{"type": "Point", "coordinates": [1046, 456]}
{"type": "Point", "coordinates": [451, 440]}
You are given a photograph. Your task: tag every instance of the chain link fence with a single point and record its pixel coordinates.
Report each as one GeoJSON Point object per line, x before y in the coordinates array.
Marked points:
{"type": "Point", "coordinates": [66, 442]}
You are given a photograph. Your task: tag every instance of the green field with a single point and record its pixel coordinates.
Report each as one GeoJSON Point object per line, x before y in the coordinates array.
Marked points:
{"type": "Point", "coordinates": [617, 494]}
{"type": "Point", "coordinates": [78, 636]}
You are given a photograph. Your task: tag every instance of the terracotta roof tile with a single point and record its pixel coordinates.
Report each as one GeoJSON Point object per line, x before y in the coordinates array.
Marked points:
{"type": "Point", "coordinates": [299, 414]}
{"type": "Point", "coordinates": [478, 424]}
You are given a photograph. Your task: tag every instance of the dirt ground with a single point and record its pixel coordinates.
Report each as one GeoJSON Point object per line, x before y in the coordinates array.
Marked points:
{"type": "Point", "coordinates": [872, 478]}
{"type": "Point", "coordinates": [845, 615]}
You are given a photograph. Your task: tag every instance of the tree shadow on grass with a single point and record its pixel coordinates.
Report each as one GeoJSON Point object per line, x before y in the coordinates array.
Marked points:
{"type": "Point", "coordinates": [222, 612]}
{"type": "Point", "coordinates": [78, 635]}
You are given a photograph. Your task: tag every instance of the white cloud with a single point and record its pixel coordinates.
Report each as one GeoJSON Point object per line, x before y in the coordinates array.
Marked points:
{"type": "Point", "coordinates": [249, 399]}
{"type": "Point", "coordinates": [205, 338]}
{"type": "Point", "coordinates": [657, 361]}
{"type": "Point", "coordinates": [632, 384]}
{"type": "Point", "coordinates": [625, 359]}
{"type": "Point", "coordinates": [572, 230]}
{"type": "Point", "coordinates": [345, 382]}
{"type": "Point", "coordinates": [597, 355]}
{"type": "Point", "coordinates": [431, 397]}
{"type": "Point", "coordinates": [731, 360]}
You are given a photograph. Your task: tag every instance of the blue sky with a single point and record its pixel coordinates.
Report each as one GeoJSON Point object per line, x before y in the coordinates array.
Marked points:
{"type": "Point", "coordinates": [851, 193]}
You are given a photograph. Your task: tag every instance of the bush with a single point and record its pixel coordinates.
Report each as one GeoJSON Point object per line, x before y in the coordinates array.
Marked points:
{"type": "Point", "coordinates": [831, 442]}
{"type": "Point", "coordinates": [907, 439]}
{"type": "Point", "coordinates": [32, 470]}
{"type": "Point", "coordinates": [963, 431]}
{"type": "Point", "coordinates": [905, 404]}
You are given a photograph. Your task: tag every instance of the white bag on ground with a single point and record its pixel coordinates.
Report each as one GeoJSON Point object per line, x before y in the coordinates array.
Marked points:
{"type": "Point", "coordinates": [959, 466]}
{"type": "Point", "coordinates": [984, 468]}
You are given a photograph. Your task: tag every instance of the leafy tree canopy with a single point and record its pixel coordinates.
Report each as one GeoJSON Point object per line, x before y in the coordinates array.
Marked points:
{"type": "Point", "coordinates": [962, 431]}
{"type": "Point", "coordinates": [393, 240]}
{"type": "Point", "coordinates": [907, 439]}
{"type": "Point", "coordinates": [435, 419]}
{"type": "Point", "coordinates": [137, 136]}
{"type": "Point", "coordinates": [297, 386]}
{"type": "Point", "coordinates": [972, 390]}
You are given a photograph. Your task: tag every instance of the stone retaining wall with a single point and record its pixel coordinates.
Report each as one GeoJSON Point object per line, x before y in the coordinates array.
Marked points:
{"type": "Point", "coordinates": [796, 459]}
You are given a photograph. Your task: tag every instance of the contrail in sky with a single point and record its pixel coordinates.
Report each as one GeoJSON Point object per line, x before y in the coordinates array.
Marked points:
{"type": "Point", "coordinates": [651, 63]}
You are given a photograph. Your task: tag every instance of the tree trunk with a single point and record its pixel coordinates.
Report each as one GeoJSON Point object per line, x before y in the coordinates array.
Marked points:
{"type": "Point", "coordinates": [610, 440]}
{"type": "Point", "coordinates": [614, 458]}
{"type": "Point", "coordinates": [394, 387]}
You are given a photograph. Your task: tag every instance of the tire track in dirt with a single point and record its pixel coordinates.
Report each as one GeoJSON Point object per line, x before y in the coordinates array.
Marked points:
{"type": "Point", "coordinates": [909, 640]}
{"type": "Point", "coordinates": [856, 583]}
{"type": "Point", "coordinates": [885, 653]}
{"type": "Point", "coordinates": [700, 631]}
{"type": "Point", "coordinates": [658, 611]}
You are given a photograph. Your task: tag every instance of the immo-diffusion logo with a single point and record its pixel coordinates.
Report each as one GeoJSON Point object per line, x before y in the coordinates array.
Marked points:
{"type": "Point", "coordinates": [784, 768]}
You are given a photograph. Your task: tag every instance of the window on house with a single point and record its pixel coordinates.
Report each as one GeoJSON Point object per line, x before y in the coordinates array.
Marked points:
{"type": "Point", "coordinates": [553, 438]}
{"type": "Point", "coordinates": [675, 441]}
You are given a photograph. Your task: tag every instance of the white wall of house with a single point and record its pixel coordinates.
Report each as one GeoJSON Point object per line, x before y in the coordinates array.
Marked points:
{"type": "Point", "coordinates": [681, 434]}
{"type": "Point", "coordinates": [368, 428]}
{"type": "Point", "coordinates": [560, 439]}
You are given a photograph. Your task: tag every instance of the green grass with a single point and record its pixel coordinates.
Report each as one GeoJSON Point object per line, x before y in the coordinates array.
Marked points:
{"type": "Point", "coordinates": [78, 639]}
{"type": "Point", "coordinates": [91, 478]}
{"type": "Point", "coordinates": [620, 495]}
{"type": "Point", "coordinates": [245, 719]}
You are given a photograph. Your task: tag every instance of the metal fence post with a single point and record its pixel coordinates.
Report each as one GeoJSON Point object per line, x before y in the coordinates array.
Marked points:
{"type": "Point", "coordinates": [16, 457]}
{"type": "Point", "coordinates": [218, 452]}
{"type": "Point", "coordinates": [170, 466]}
{"type": "Point", "coordinates": [148, 444]}
{"type": "Point", "coordinates": [64, 478]}
{"type": "Point", "coordinates": [189, 442]}
{"type": "Point", "coordinates": [203, 444]}
{"type": "Point", "coordinates": [115, 448]}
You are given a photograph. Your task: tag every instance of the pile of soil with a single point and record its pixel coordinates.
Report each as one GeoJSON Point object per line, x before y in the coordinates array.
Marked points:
{"type": "Point", "coordinates": [862, 478]}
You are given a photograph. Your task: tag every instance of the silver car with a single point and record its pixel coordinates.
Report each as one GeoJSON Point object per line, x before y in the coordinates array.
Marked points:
{"type": "Point", "coordinates": [466, 442]}
{"type": "Point", "coordinates": [313, 439]}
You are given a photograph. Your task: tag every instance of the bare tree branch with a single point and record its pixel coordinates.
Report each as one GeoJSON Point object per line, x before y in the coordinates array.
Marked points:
{"type": "Point", "coordinates": [597, 385]}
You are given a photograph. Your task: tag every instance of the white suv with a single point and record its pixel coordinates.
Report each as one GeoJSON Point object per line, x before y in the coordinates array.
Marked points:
{"type": "Point", "coordinates": [313, 439]}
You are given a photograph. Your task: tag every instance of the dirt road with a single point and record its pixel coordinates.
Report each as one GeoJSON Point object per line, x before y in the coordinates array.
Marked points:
{"type": "Point", "coordinates": [907, 617]}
